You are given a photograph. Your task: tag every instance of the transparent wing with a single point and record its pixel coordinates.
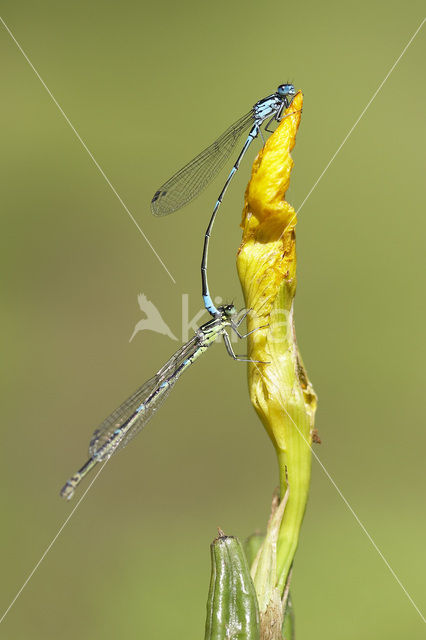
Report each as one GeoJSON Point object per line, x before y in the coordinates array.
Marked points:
{"type": "Point", "coordinates": [131, 416]}
{"type": "Point", "coordinates": [187, 183]}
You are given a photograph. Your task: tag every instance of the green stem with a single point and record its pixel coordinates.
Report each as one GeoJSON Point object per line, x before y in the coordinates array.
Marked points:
{"type": "Point", "coordinates": [297, 472]}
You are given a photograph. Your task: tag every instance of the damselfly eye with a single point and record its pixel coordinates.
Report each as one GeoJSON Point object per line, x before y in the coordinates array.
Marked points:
{"type": "Point", "coordinates": [286, 90]}
{"type": "Point", "coordinates": [230, 309]}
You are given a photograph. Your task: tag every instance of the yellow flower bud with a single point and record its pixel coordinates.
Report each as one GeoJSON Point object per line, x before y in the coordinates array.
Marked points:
{"type": "Point", "coordinates": [279, 387]}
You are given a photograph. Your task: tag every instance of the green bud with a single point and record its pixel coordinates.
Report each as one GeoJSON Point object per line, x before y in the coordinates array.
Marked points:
{"type": "Point", "coordinates": [232, 609]}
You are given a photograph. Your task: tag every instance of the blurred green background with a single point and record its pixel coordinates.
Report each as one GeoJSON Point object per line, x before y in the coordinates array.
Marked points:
{"type": "Point", "coordinates": [147, 86]}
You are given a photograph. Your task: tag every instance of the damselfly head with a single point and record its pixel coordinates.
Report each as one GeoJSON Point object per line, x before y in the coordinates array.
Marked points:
{"type": "Point", "coordinates": [285, 90]}
{"type": "Point", "coordinates": [228, 310]}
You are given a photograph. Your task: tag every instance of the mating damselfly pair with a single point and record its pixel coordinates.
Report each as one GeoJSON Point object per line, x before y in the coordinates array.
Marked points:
{"type": "Point", "coordinates": [132, 415]}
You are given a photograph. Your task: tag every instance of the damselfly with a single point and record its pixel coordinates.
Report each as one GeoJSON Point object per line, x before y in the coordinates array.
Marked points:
{"type": "Point", "coordinates": [125, 422]}
{"type": "Point", "coordinates": [187, 183]}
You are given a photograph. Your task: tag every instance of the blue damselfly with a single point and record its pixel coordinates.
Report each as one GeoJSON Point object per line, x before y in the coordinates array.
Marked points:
{"type": "Point", "coordinates": [186, 184]}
